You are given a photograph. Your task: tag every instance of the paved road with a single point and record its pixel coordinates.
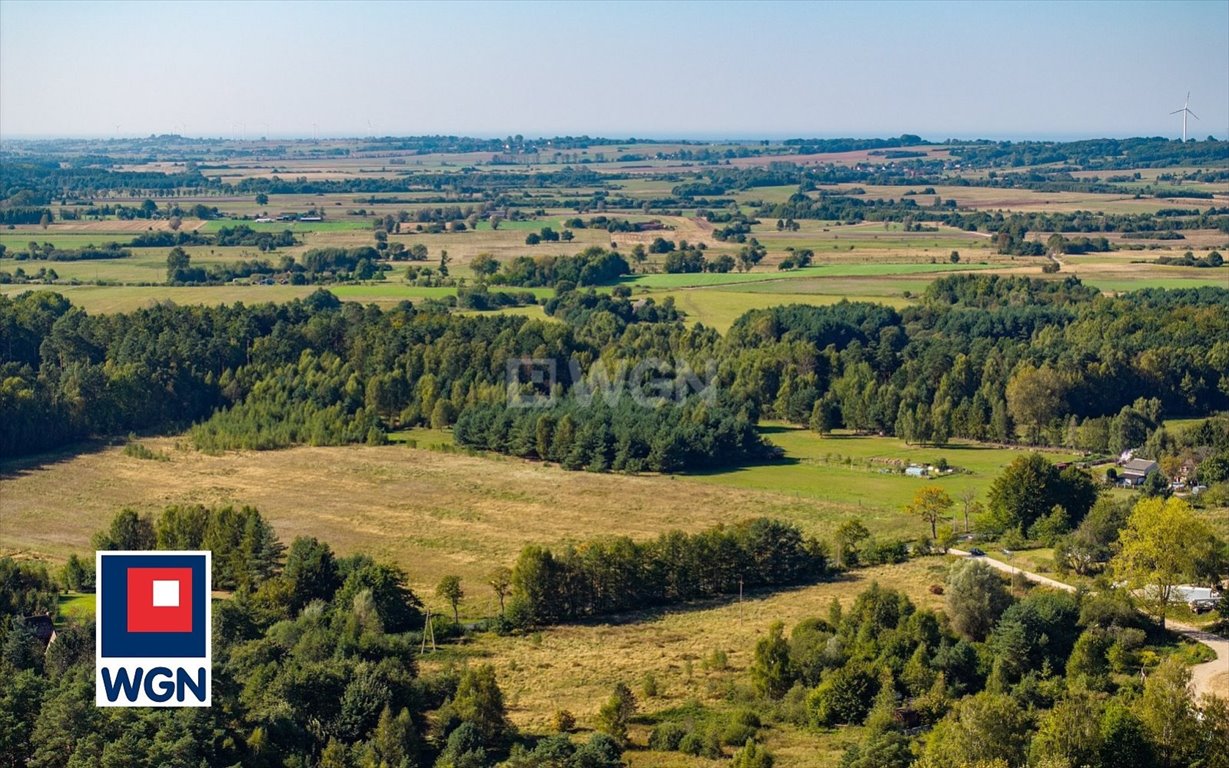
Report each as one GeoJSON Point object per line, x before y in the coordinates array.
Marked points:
{"type": "Point", "coordinates": [1202, 675]}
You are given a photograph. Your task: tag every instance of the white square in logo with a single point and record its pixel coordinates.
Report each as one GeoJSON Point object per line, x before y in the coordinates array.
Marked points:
{"type": "Point", "coordinates": [166, 594]}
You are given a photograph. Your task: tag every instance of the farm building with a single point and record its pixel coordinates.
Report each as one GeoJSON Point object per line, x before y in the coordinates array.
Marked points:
{"type": "Point", "coordinates": [1136, 471]}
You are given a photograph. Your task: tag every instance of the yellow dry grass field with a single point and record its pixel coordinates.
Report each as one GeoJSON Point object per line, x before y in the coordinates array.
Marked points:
{"type": "Point", "coordinates": [106, 227]}
{"type": "Point", "coordinates": [575, 667]}
{"type": "Point", "coordinates": [433, 513]}
{"type": "Point", "coordinates": [997, 198]}
{"type": "Point", "coordinates": [850, 158]}
{"type": "Point", "coordinates": [126, 298]}
{"type": "Point", "coordinates": [1126, 271]}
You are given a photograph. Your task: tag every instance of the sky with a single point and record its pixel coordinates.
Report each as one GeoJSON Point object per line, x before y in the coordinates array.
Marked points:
{"type": "Point", "coordinates": [1061, 70]}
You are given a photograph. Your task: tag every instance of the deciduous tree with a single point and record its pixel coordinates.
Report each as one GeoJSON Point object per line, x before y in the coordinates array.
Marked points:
{"type": "Point", "coordinates": [931, 503]}
{"type": "Point", "coordinates": [1161, 547]}
{"type": "Point", "coordinates": [449, 589]}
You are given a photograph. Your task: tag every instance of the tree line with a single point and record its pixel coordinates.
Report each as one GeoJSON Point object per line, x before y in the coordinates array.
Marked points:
{"type": "Point", "coordinates": [49, 252]}
{"type": "Point", "coordinates": [593, 266]}
{"type": "Point", "coordinates": [626, 436]}
{"type": "Point", "coordinates": [315, 266]}
{"type": "Point", "coordinates": [611, 575]}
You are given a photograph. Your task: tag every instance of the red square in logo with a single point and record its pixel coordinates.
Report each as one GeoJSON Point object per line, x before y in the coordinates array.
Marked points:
{"type": "Point", "coordinates": [159, 599]}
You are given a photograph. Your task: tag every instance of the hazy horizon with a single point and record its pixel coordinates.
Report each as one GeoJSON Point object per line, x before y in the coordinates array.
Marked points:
{"type": "Point", "coordinates": [709, 72]}
{"type": "Point", "coordinates": [633, 136]}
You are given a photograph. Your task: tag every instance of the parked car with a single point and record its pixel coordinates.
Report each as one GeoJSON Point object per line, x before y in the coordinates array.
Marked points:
{"type": "Point", "coordinates": [1203, 605]}
{"type": "Point", "coordinates": [975, 552]}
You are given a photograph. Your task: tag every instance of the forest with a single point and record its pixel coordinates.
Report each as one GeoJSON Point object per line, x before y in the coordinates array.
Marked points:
{"type": "Point", "coordinates": [626, 436]}
{"type": "Point", "coordinates": [315, 664]}
{"type": "Point", "coordinates": [996, 678]}
{"type": "Point", "coordinates": [1010, 359]}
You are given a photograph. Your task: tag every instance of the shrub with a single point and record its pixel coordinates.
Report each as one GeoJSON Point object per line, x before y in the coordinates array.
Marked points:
{"type": "Point", "coordinates": [976, 598]}
{"type": "Point", "coordinates": [752, 756]}
{"type": "Point", "coordinates": [701, 744]}
{"type": "Point", "coordinates": [667, 736]}
{"type": "Point", "coordinates": [648, 685]}
{"type": "Point", "coordinates": [740, 726]}
{"type": "Point", "coordinates": [563, 721]}
{"type": "Point", "coordinates": [717, 661]}
{"type": "Point", "coordinates": [844, 696]}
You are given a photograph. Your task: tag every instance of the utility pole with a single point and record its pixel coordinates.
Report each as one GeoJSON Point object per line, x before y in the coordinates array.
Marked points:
{"type": "Point", "coordinates": [740, 599]}
{"type": "Point", "coordinates": [428, 633]}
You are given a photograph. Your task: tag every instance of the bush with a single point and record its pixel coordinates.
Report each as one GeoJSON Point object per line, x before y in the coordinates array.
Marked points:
{"type": "Point", "coordinates": [717, 661]}
{"type": "Point", "coordinates": [139, 451]}
{"type": "Point", "coordinates": [667, 736]}
{"type": "Point", "coordinates": [701, 744]}
{"type": "Point", "coordinates": [648, 685]}
{"type": "Point", "coordinates": [976, 598]}
{"type": "Point", "coordinates": [752, 756]}
{"type": "Point", "coordinates": [740, 726]}
{"type": "Point", "coordinates": [563, 721]}
{"type": "Point", "coordinates": [843, 697]}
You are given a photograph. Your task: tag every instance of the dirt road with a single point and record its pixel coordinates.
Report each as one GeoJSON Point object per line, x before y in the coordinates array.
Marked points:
{"type": "Point", "coordinates": [1210, 677]}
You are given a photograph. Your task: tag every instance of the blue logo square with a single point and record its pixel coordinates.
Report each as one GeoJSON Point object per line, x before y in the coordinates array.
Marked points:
{"type": "Point", "coordinates": [115, 639]}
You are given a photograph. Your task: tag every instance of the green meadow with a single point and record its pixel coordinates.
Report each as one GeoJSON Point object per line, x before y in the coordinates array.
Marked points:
{"type": "Point", "coordinates": [863, 472]}
{"type": "Point", "coordinates": [1217, 278]}
{"type": "Point", "coordinates": [17, 241]}
{"type": "Point", "coordinates": [293, 226]}
{"type": "Point", "coordinates": [75, 606]}
{"type": "Point", "coordinates": [877, 269]}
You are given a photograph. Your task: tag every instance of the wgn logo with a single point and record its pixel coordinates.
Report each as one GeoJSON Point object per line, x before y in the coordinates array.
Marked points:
{"type": "Point", "coordinates": [153, 621]}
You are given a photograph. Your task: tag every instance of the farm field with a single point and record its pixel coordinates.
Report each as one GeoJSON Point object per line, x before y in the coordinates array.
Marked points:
{"type": "Point", "coordinates": [859, 471]}
{"type": "Point", "coordinates": [126, 298]}
{"type": "Point", "coordinates": [293, 226]}
{"type": "Point", "coordinates": [146, 266]}
{"type": "Point", "coordinates": [994, 198]}
{"type": "Point", "coordinates": [575, 667]}
{"type": "Point", "coordinates": [431, 512]}
{"type": "Point", "coordinates": [1121, 285]}
{"type": "Point", "coordinates": [867, 261]}
{"type": "Point", "coordinates": [439, 512]}
{"type": "Point", "coordinates": [713, 299]}
{"type": "Point", "coordinates": [720, 307]}
{"type": "Point", "coordinates": [708, 279]}
{"type": "Point", "coordinates": [18, 240]}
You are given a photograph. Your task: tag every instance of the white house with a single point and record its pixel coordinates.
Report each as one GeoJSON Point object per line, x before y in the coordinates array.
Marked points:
{"type": "Point", "coordinates": [1136, 471]}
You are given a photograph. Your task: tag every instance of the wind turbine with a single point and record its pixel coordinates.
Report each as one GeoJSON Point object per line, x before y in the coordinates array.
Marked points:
{"type": "Point", "coordinates": [1184, 112]}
